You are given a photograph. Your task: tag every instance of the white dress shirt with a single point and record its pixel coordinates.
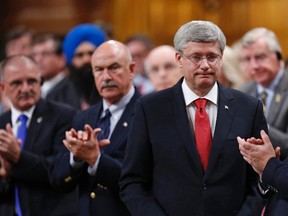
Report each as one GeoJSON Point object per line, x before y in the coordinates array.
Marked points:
{"type": "Point", "coordinates": [15, 115]}
{"type": "Point", "coordinates": [116, 111]}
{"type": "Point", "coordinates": [211, 107]}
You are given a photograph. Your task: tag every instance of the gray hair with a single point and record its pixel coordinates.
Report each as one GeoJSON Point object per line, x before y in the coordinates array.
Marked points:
{"type": "Point", "coordinates": [199, 31]}
{"type": "Point", "coordinates": [271, 39]}
{"type": "Point", "coordinates": [12, 59]}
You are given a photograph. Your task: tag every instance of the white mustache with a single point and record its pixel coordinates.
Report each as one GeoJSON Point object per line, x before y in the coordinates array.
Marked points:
{"type": "Point", "coordinates": [108, 84]}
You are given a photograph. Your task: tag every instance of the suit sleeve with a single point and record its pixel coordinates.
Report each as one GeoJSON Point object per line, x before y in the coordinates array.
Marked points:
{"type": "Point", "coordinates": [279, 138]}
{"type": "Point", "coordinates": [66, 178]}
{"type": "Point", "coordinates": [275, 175]}
{"type": "Point", "coordinates": [136, 178]}
{"type": "Point", "coordinates": [254, 202]}
{"type": "Point", "coordinates": [33, 166]}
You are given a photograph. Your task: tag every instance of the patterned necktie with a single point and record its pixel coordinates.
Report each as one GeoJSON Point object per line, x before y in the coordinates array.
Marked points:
{"type": "Point", "coordinates": [263, 99]}
{"type": "Point", "coordinates": [104, 124]}
{"type": "Point", "coordinates": [21, 134]}
{"type": "Point", "coordinates": [202, 131]}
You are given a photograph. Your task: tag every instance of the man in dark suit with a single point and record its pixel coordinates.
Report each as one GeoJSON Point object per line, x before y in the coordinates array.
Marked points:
{"type": "Point", "coordinates": [97, 170]}
{"type": "Point", "coordinates": [47, 52]}
{"type": "Point", "coordinates": [25, 161]}
{"type": "Point", "coordinates": [273, 173]}
{"type": "Point", "coordinates": [166, 171]}
{"type": "Point", "coordinates": [261, 59]}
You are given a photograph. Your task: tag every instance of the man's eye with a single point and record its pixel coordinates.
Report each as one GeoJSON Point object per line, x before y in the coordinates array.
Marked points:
{"type": "Point", "coordinates": [212, 58]}
{"type": "Point", "coordinates": [115, 67]}
{"type": "Point", "coordinates": [98, 69]}
{"type": "Point", "coordinates": [15, 84]}
{"type": "Point", "coordinates": [196, 58]}
{"type": "Point", "coordinates": [32, 82]}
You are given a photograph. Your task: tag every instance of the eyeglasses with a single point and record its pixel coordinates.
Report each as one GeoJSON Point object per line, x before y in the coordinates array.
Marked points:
{"type": "Point", "coordinates": [197, 59]}
{"type": "Point", "coordinates": [259, 59]}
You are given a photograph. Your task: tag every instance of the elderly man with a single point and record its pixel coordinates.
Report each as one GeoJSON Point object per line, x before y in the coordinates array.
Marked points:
{"type": "Point", "coordinates": [31, 135]}
{"type": "Point", "coordinates": [95, 168]}
{"type": "Point", "coordinates": [182, 154]}
{"type": "Point", "coordinates": [261, 58]}
{"type": "Point", "coordinates": [161, 67]}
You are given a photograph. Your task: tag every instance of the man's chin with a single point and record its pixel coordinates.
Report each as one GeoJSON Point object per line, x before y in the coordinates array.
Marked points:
{"type": "Point", "coordinates": [26, 105]}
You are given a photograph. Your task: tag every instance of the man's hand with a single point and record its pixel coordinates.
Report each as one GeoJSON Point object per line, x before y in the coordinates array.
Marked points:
{"type": "Point", "coordinates": [9, 145]}
{"type": "Point", "coordinates": [5, 168]}
{"type": "Point", "coordinates": [257, 152]}
{"type": "Point", "coordinates": [84, 144]}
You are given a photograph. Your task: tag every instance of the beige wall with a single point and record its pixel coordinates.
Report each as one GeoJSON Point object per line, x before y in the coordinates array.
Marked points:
{"type": "Point", "coordinates": [159, 18]}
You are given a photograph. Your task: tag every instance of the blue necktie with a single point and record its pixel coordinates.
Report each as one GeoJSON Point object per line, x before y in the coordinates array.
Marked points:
{"type": "Point", "coordinates": [104, 124]}
{"type": "Point", "coordinates": [21, 134]}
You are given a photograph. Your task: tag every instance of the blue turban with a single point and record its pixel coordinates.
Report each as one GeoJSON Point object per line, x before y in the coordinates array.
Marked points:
{"type": "Point", "coordinates": [79, 34]}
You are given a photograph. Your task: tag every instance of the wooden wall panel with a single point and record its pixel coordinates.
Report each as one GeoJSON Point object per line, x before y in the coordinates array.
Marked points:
{"type": "Point", "coordinates": [158, 18]}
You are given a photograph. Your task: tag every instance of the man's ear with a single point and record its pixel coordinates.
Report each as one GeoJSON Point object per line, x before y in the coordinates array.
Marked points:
{"type": "Point", "coordinates": [279, 55]}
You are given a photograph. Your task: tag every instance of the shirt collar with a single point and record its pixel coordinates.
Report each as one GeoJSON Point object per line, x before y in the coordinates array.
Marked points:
{"type": "Point", "coordinates": [190, 96]}
{"type": "Point", "coordinates": [16, 113]}
{"type": "Point", "coordinates": [273, 85]}
{"type": "Point", "coordinates": [49, 84]}
{"type": "Point", "coordinates": [120, 104]}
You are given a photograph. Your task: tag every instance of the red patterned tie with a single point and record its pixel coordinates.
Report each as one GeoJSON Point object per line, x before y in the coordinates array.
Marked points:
{"type": "Point", "coordinates": [202, 131]}
{"type": "Point", "coordinates": [263, 211]}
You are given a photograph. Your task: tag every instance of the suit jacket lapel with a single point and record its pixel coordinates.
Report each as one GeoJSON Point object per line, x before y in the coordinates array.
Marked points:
{"type": "Point", "coordinates": [35, 125]}
{"type": "Point", "coordinates": [121, 129]}
{"type": "Point", "coordinates": [226, 113]}
{"type": "Point", "coordinates": [183, 127]}
{"type": "Point", "coordinates": [279, 98]}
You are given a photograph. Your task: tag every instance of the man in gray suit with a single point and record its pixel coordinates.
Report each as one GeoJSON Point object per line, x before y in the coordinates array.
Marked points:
{"type": "Point", "coordinates": [261, 58]}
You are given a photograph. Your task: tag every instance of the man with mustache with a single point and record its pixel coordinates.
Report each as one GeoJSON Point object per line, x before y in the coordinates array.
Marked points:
{"type": "Point", "coordinates": [96, 155]}
{"type": "Point", "coordinates": [24, 160]}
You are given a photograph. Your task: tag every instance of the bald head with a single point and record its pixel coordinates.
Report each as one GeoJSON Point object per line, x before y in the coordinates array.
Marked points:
{"type": "Point", "coordinates": [21, 82]}
{"type": "Point", "coordinates": [113, 48]}
{"type": "Point", "coordinates": [113, 70]}
{"type": "Point", "coordinates": [161, 67]}
{"type": "Point", "coordinates": [15, 63]}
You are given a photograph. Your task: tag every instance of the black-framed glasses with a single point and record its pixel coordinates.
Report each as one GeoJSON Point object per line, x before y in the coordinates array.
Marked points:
{"type": "Point", "coordinates": [197, 59]}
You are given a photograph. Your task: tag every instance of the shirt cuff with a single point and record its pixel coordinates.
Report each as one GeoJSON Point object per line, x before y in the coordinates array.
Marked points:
{"type": "Point", "coordinates": [92, 169]}
{"type": "Point", "coordinates": [264, 189]}
{"type": "Point", "coordinates": [75, 164]}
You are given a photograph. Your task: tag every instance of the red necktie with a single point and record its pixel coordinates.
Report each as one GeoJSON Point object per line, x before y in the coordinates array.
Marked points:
{"type": "Point", "coordinates": [263, 211]}
{"type": "Point", "coordinates": [202, 131]}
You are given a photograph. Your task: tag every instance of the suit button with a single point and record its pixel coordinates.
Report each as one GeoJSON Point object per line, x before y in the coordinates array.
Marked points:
{"type": "Point", "coordinates": [204, 186]}
{"type": "Point", "coordinates": [92, 195]}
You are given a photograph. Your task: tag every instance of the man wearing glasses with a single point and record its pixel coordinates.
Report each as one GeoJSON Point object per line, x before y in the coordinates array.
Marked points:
{"type": "Point", "coordinates": [182, 155]}
{"type": "Point", "coordinates": [261, 58]}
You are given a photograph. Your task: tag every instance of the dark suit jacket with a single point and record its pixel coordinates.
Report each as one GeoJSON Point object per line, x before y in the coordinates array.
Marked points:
{"type": "Point", "coordinates": [65, 92]}
{"type": "Point", "coordinates": [162, 172]}
{"type": "Point", "coordinates": [275, 175]}
{"type": "Point", "coordinates": [277, 117]}
{"type": "Point", "coordinates": [43, 141]}
{"type": "Point", "coordinates": [99, 194]}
